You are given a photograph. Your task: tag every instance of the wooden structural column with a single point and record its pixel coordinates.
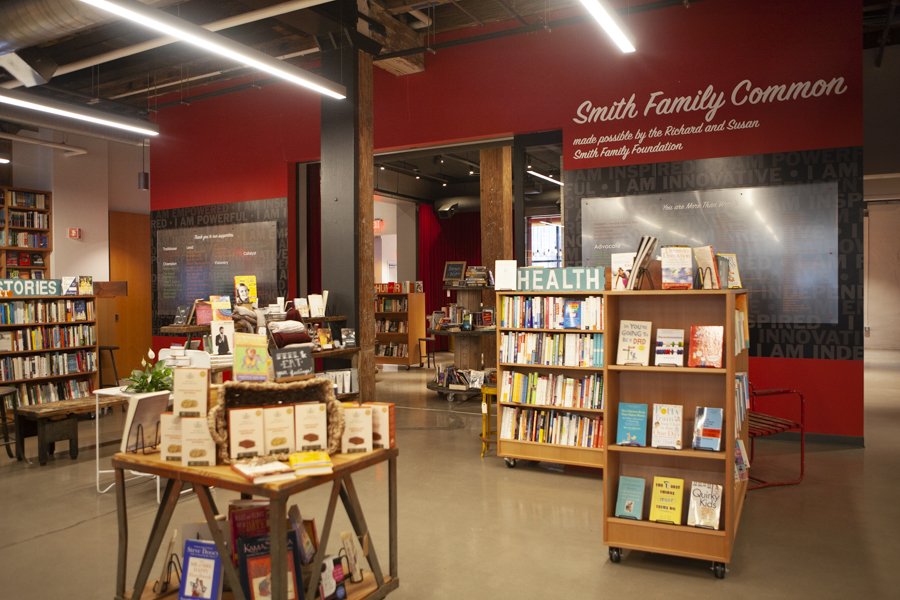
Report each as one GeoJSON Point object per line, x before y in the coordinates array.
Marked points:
{"type": "Point", "coordinates": [347, 200]}
{"type": "Point", "coordinates": [496, 221]}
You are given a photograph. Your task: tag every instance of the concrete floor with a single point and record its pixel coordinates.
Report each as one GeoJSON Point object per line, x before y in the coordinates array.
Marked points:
{"type": "Point", "coordinates": [473, 528]}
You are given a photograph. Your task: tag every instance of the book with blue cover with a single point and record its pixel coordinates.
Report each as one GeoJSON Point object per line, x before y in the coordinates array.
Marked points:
{"type": "Point", "coordinates": [708, 428]}
{"type": "Point", "coordinates": [202, 571]}
{"type": "Point", "coordinates": [630, 503]}
{"type": "Point", "coordinates": [632, 425]}
{"type": "Point", "coordinates": [572, 315]}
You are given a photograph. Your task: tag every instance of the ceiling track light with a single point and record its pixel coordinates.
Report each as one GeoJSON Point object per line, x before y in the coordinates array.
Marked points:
{"type": "Point", "coordinates": [611, 23]}
{"type": "Point", "coordinates": [550, 179]}
{"type": "Point", "coordinates": [194, 34]}
{"type": "Point", "coordinates": [71, 111]}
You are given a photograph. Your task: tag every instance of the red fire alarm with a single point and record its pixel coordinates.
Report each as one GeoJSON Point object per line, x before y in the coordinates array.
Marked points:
{"type": "Point", "coordinates": [75, 233]}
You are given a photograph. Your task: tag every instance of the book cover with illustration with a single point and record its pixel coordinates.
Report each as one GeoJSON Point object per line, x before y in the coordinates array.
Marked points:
{"type": "Point", "coordinates": [677, 268]}
{"type": "Point", "coordinates": [221, 308]}
{"type": "Point", "coordinates": [245, 289]}
{"type": "Point", "coordinates": [324, 334]}
{"type": "Point", "coordinates": [202, 571]}
{"type": "Point", "coordinates": [634, 343]}
{"type": "Point", "coordinates": [734, 277]}
{"type": "Point", "coordinates": [706, 346]}
{"type": "Point", "coordinates": [665, 500]}
{"type": "Point", "coordinates": [705, 506]}
{"type": "Point", "coordinates": [572, 314]}
{"type": "Point", "coordinates": [708, 428]}
{"type": "Point", "coordinates": [630, 503]}
{"type": "Point", "coordinates": [85, 285]}
{"type": "Point", "coordinates": [669, 350]}
{"type": "Point", "coordinates": [621, 264]}
{"type": "Point", "coordinates": [250, 357]}
{"type": "Point", "coordinates": [69, 286]}
{"type": "Point", "coordinates": [667, 429]}
{"type": "Point", "coordinates": [632, 425]}
{"type": "Point", "coordinates": [255, 567]}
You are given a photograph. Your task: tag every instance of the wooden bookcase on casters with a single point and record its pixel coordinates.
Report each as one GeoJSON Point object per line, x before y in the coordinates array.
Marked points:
{"type": "Point", "coordinates": [689, 387]}
{"type": "Point", "coordinates": [414, 317]}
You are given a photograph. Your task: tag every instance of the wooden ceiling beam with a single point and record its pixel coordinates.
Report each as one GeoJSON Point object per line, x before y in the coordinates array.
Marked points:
{"type": "Point", "coordinates": [397, 36]}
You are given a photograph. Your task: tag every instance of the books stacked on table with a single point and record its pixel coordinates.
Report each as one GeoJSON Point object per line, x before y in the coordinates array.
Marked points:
{"type": "Point", "coordinates": [305, 464]}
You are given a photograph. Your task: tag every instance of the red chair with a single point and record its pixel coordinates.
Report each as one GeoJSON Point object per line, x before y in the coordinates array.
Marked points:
{"type": "Point", "coordinates": [761, 424]}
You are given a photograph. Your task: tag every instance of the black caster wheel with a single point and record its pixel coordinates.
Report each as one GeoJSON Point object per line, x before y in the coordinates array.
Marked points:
{"type": "Point", "coordinates": [407, 367]}
{"type": "Point", "coordinates": [719, 570]}
{"type": "Point", "coordinates": [615, 554]}
{"type": "Point", "coordinates": [511, 463]}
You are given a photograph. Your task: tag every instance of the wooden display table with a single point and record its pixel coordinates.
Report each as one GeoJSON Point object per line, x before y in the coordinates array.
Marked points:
{"type": "Point", "coordinates": [203, 478]}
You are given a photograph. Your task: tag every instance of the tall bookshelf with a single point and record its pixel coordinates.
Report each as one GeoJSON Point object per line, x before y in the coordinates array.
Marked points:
{"type": "Point", "coordinates": [53, 347]}
{"type": "Point", "coordinates": [587, 410]}
{"type": "Point", "coordinates": [26, 233]}
{"type": "Point", "coordinates": [403, 311]}
{"type": "Point", "coordinates": [689, 387]}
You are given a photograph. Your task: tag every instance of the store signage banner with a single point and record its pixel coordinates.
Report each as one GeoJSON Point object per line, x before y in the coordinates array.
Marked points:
{"type": "Point", "coordinates": [30, 287]}
{"type": "Point", "coordinates": [571, 279]}
{"type": "Point", "coordinates": [715, 95]}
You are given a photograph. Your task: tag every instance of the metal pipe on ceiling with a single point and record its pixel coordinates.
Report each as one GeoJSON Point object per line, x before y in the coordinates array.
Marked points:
{"type": "Point", "coordinates": [69, 150]}
{"type": "Point", "coordinates": [241, 19]}
{"type": "Point", "coordinates": [422, 22]}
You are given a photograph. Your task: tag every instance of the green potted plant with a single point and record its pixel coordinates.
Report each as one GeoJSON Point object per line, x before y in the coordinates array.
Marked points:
{"type": "Point", "coordinates": [155, 378]}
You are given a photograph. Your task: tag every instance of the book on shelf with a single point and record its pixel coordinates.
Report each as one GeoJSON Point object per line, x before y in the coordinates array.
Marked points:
{"type": "Point", "coordinates": [552, 349]}
{"type": "Point", "coordinates": [255, 566]}
{"type": "Point", "coordinates": [741, 401]}
{"type": "Point", "coordinates": [669, 351]}
{"type": "Point", "coordinates": [142, 422]}
{"type": "Point", "coordinates": [634, 343]}
{"type": "Point", "coordinates": [741, 461]}
{"type": "Point", "coordinates": [37, 259]}
{"type": "Point", "coordinates": [85, 285]}
{"type": "Point", "coordinates": [677, 268]}
{"type": "Point", "coordinates": [707, 269]}
{"type": "Point", "coordinates": [221, 308]}
{"type": "Point", "coordinates": [621, 264]}
{"type": "Point", "coordinates": [316, 305]}
{"type": "Point", "coordinates": [69, 286]}
{"type": "Point", "coordinates": [12, 259]}
{"type": "Point", "coordinates": [666, 499]}
{"type": "Point", "coordinates": [24, 259]}
{"type": "Point", "coordinates": [37, 275]}
{"type": "Point", "coordinates": [505, 271]}
{"type": "Point", "coordinates": [6, 341]}
{"type": "Point", "coordinates": [305, 546]}
{"type": "Point", "coordinates": [551, 427]}
{"type": "Point", "coordinates": [706, 346]}
{"type": "Point", "coordinates": [630, 501]}
{"type": "Point", "coordinates": [705, 506]}
{"type": "Point", "coordinates": [734, 276]}
{"type": "Point", "coordinates": [250, 357]}
{"type": "Point", "coordinates": [632, 425]}
{"type": "Point", "coordinates": [552, 390]}
{"type": "Point", "coordinates": [642, 259]}
{"type": "Point", "coordinates": [245, 289]}
{"type": "Point", "coordinates": [264, 469]}
{"type": "Point", "coordinates": [572, 315]}
{"type": "Point", "coordinates": [324, 336]}
{"type": "Point", "coordinates": [667, 426]}
{"type": "Point", "coordinates": [348, 337]}
{"type": "Point", "coordinates": [201, 571]}
{"type": "Point", "coordinates": [708, 428]}
{"type": "Point", "coordinates": [741, 324]}
{"type": "Point", "coordinates": [247, 519]}
{"type": "Point", "coordinates": [203, 312]}
{"type": "Point", "coordinates": [224, 337]}
{"type": "Point", "coordinates": [302, 306]}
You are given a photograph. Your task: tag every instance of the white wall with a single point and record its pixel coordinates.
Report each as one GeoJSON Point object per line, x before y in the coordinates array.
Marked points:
{"type": "Point", "coordinates": [33, 165]}
{"type": "Point", "coordinates": [388, 257]}
{"type": "Point", "coordinates": [407, 242]}
{"type": "Point", "coordinates": [124, 166]}
{"type": "Point", "coordinates": [883, 277]}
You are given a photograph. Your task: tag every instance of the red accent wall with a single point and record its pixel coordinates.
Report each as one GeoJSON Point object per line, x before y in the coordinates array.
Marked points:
{"type": "Point", "coordinates": [236, 147]}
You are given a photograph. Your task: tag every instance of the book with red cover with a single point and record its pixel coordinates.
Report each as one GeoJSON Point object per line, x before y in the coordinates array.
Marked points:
{"type": "Point", "coordinates": [706, 346]}
{"type": "Point", "coordinates": [247, 521]}
{"type": "Point", "coordinates": [255, 567]}
{"type": "Point", "coordinates": [24, 259]}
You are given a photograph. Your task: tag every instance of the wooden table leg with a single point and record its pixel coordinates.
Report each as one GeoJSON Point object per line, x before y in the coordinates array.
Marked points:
{"type": "Point", "coordinates": [42, 442]}
{"type": "Point", "coordinates": [123, 534]}
{"type": "Point", "coordinates": [354, 511]}
{"type": "Point", "coordinates": [206, 501]}
{"type": "Point", "coordinates": [278, 548]}
{"type": "Point", "coordinates": [157, 532]}
{"type": "Point", "coordinates": [313, 588]}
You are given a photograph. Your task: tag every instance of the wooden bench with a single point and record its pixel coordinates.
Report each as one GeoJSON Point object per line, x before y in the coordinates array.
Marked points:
{"type": "Point", "coordinates": [56, 422]}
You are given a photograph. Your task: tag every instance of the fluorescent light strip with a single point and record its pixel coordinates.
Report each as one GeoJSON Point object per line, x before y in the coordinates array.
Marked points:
{"type": "Point", "coordinates": [196, 35]}
{"type": "Point", "coordinates": [536, 174]}
{"type": "Point", "coordinates": [74, 112]}
{"type": "Point", "coordinates": [611, 23]}
{"type": "Point", "coordinates": [4, 161]}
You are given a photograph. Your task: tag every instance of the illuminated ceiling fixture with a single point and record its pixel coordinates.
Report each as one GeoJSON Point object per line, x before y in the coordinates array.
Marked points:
{"type": "Point", "coordinates": [610, 22]}
{"type": "Point", "coordinates": [4, 161]}
{"type": "Point", "coordinates": [71, 111]}
{"type": "Point", "coordinates": [213, 42]}
{"type": "Point", "coordinates": [550, 179]}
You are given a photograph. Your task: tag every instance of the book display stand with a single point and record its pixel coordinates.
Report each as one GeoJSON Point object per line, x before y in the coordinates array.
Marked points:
{"type": "Point", "coordinates": [161, 586]}
{"type": "Point", "coordinates": [142, 445]}
{"type": "Point", "coordinates": [411, 318]}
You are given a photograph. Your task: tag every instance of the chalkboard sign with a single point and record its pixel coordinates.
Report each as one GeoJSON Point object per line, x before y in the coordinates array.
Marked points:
{"type": "Point", "coordinates": [292, 364]}
{"type": "Point", "coordinates": [454, 269]}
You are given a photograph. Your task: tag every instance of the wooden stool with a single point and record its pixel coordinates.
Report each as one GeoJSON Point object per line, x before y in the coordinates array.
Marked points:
{"type": "Point", "coordinates": [429, 354]}
{"type": "Point", "coordinates": [8, 441]}
{"type": "Point", "coordinates": [112, 359]}
{"type": "Point", "coordinates": [486, 432]}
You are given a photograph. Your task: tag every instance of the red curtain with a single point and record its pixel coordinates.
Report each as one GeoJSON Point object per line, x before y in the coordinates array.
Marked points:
{"type": "Point", "coordinates": [314, 228]}
{"type": "Point", "coordinates": [440, 240]}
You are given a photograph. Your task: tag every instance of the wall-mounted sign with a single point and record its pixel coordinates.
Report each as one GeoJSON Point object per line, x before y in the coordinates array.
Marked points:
{"type": "Point", "coordinates": [378, 225]}
{"type": "Point", "coordinates": [30, 287]}
{"type": "Point", "coordinates": [571, 279]}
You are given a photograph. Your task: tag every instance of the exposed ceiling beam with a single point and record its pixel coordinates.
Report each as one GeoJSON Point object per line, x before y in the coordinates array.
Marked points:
{"type": "Point", "coordinates": [510, 10]}
{"type": "Point", "coordinates": [885, 33]}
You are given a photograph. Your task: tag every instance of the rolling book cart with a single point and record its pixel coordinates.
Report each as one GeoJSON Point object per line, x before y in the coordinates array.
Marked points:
{"type": "Point", "coordinates": [406, 314]}
{"type": "Point", "coordinates": [689, 387]}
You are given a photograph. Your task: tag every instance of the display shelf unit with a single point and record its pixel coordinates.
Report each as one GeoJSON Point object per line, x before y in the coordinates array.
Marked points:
{"type": "Point", "coordinates": [36, 341]}
{"type": "Point", "coordinates": [467, 345]}
{"type": "Point", "coordinates": [510, 449]}
{"type": "Point", "coordinates": [18, 218]}
{"type": "Point", "coordinates": [413, 317]}
{"type": "Point", "coordinates": [690, 388]}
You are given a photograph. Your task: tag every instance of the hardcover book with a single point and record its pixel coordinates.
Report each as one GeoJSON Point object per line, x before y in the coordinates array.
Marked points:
{"type": "Point", "coordinates": [69, 286]}
{"type": "Point", "coordinates": [708, 428]}
{"type": "Point", "coordinates": [634, 343]}
{"type": "Point", "coordinates": [85, 285]}
{"type": "Point", "coordinates": [24, 259]}
{"type": "Point", "coordinates": [278, 422]}
{"type": "Point", "coordinates": [630, 503]}
{"type": "Point", "coordinates": [203, 310]}
{"type": "Point", "coordinates": [250, 357]}
{"type": "Point", "coordinates": [632, 425]}
{"type": "Point", "coordinates": [80, 310]}
{"type": "Point", "coordinates": [255, 566]}
{"type": "Point", "coordinates": [621, 265]}
{"type": "Point", "coordinates": [221, 309]}
{"type": "Point", "coordinates": [667, 426]}
{"type": "Point", "coordinates": [245, 432]}
{"type": "Point", "coordinates": [265, 469]}
{"type": "Point", "coordinates": [202, 571]}
{"type": "Point", "coordinates": [190, 389]}
{"type": "Point", "coordinates": [706, 346]}
{"type": "Point", "coordinates": [705, 506]}
{"type": "Point", "coordinates": [310, 426]}
{"type": "Point", "coordinates": [669, 350]}
{"type": "Point", "coordinates": [677, 268]}
{"type": "Point", "coordinates": [197, 446]}
{"type": "Point", "coordinates": [734, 277]}
{"type": "Point", "coordinates": [248, 518]}
{"type": "Point", "coordinates": [245, 289]}
{"type": "Point", "coordinates": [665, 501]}
{"type": "Point", "coordinates": [316, 305]}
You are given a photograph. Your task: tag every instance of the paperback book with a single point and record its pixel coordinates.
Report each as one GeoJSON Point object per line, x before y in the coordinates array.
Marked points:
{"type": "Point", "coordinates": [255, 567]}
{"type": "Point", "coordinates": [708, 428]}
{"type": "Point", "coordinates": [632, 425]}
{"type": "Point", "coordinates": [705, 506]}
{"type": "Point", "coordinates": [245, 289]}
{"type": "Point", "coordinates": [621, 265]}
{"type": "Point", "coordinates": [734, 277]}
{"type": "Point", "coordinates": [348, 337]}
{"type": "Point", "coordinates": [634, 343]}
{"type": "Point", "coordinates": [630, 502]}
{"type": "Point", "coordinates": [324, 334]}
{"type": "Point", "coordinates": [707, 268]}
{"type": "Point", "coordinates": [677, 268]}
{"type": "Point", "coordinates": [706, 346]}
{"type": "Point", "coordinates": [85, 285]}
{"type": "Point", "coordinates": [250, 357]}
{"type": "Point", "coordinates": [666, 499]}
{"type": "Point", "coordinates": [202, 571]}
{"type": "Point", "coordinates": [667, 426]}
{"type": "Point", "coordinates": [669, 351]}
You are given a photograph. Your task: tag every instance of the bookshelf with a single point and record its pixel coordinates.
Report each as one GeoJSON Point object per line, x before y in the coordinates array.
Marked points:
{"type": "Point", "coordinates": [48, 353]}
{"type": "Point", "coordinates": [582, 411]}
{"type": "Point", "coordinates": [689, 387]}
{"type": "Point", "coordinates": [399, 311]}
{"type": "Point", "coordinates": [26, 233]}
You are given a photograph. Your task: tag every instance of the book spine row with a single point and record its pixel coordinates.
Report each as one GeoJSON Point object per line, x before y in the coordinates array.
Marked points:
{"type": "Point", "coordinates": [29, 219]}
{"type": "Point", "coordinates": [49, 338]}
{"type": "Point", "coordinates": [30, 240]}
{"type": "Point", "coordinates": [53, 392]}
{"type": "Point", "coordinates": [391, 305]}
{"type": "Point", "coordinates": [24, 274]}
{"type": "Point", "coordinates": [552, 349]}
{"type": "Point", "coordinates": [47, 365]}
{"type": "Point", "coordinates": [391, 326]}
{"type": "Point", "coordinates": [451, 376]}
{"type": "Point", "coordinates": [741, 401]}
{"type": "Point", "coordinates": [395, 350]}
{"type": "Point", "coordinates": [551, 427]}
{"type": "Point", "coordinates": [552, 390]}
{"type": "Point", "coordinates": [549, 312]}
{"type": "Point", "coordinates": [45, 311]}
{"type": "Point", "coordinates": [26, 199]}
